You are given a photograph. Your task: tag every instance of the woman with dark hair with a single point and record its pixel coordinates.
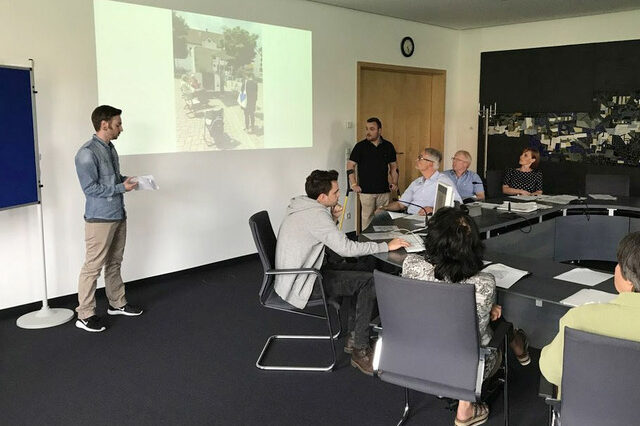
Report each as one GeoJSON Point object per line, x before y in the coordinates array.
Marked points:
{"type": "Point", "coordinates": [526, 179]}
{"type": "Point", "coordinates": [453, 253]}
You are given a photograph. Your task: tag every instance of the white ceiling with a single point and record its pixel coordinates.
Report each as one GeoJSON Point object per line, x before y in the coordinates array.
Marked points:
{"type": "Point", "coordinates": [468, 14]}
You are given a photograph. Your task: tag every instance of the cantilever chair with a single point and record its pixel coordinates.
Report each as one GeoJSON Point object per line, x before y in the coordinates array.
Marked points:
{"type": "Point", "coordinates": [607, 184]}
{"type": "Point", "coordinates": [429, 339]}
{"type": "Point", "coordinates": [265, 241]}
{"type": "Point", "coordinates": [600, 377]}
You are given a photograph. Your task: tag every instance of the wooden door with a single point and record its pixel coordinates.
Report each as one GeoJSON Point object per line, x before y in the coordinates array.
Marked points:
{"type": "Point", "coordinates": [410, 104]}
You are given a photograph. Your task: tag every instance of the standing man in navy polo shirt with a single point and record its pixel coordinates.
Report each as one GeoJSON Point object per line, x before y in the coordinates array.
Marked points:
{"type": "Point", "coordinates": [377, 170]}
{"type": "Point", "coordinates": [468, 183]}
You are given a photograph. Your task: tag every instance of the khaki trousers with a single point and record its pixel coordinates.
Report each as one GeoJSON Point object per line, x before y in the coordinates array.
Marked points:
{"type": "Point", "coordinates": [104, 248]}
{"type": "Point", "coordinates": [369, 203]}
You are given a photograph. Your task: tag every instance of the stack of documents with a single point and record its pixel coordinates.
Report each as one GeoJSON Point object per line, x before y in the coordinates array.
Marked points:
{"type": "Point", "coordinates": [524, 197]}
{"type": "Point", "coordinates": [518, 207]}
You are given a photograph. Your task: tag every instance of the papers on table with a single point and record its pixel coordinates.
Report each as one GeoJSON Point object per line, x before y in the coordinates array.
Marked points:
{"type": "Point", "coordinates": [557, 199]}
{"type": "Point", "coordinates": [396, 215]}
{"type": "Point", "coordinates": [588, 295]}
{"type": "Point", "coordinates": [415, 217]}
{"type": "Point", "coordinates": [584, 276]}
{"type": "Point", "coordinates": [146, 183]}
{"type": "Point", "coordinates": [385, 228]}
{"type": "Point", "coordinates": [603, 197]}
{"type": "Point", "coordinates": [505, 276]}
{"type": "Point", "coordinates": [488, 205]}
{"type": "Point", "coordinates": [518, 207]}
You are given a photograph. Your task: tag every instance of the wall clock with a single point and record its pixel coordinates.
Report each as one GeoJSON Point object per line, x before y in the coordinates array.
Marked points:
{"type": "Point", "coordinates": [407, 47]}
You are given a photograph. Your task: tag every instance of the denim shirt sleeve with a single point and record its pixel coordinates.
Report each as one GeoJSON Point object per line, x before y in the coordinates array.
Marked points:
{"type": "Point", "coordinates": [87, 170]}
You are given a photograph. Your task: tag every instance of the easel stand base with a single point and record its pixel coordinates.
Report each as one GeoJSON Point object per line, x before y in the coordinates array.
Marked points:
{"type": "Point", "coordinates": [44, 318]}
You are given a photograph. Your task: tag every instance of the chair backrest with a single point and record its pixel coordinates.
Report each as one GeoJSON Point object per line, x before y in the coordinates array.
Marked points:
{"type": "Point", "coordinates": [600, 380]}
{"type": "Point", "coordinates": [429, 335]}
{"type": "Point", "coordinates": [265, 240]}
{"type": "Point", "coordinates": [494, 183]}
{"type": "Point", "coordinates": [607, 184]}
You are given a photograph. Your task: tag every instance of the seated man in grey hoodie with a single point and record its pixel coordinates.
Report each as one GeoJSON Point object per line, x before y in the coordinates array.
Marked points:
{"type": "Point", "coordinates": [309, 226]}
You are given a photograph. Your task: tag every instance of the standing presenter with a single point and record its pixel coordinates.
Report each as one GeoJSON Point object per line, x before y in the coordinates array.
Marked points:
{"type": "Point", "coordinates": [98, 169]}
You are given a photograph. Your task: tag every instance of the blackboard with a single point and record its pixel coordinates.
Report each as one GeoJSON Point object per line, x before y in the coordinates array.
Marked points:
{"type": "Point", "coordinates": [19, 180]}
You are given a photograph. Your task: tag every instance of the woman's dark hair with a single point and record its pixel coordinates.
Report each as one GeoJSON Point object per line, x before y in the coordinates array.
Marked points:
{"type": "Point", "coordinates": [535, 154]}
{"type": "Point", "coordinates": [453, 245]}
{"type": "Point", "coordinates": [319, 182]}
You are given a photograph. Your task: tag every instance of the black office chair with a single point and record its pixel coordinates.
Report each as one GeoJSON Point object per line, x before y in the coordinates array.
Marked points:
{"type": "Point", "coordinates": [265, 241]}
{"type": "Point", "coordinates": [494, 183]}
{"type": "Point", "coordinates": [429, 339]}
{"type": "Point", "coordinates": [617, 185]}
{"type": "Point", "coordinates": [600, 377]}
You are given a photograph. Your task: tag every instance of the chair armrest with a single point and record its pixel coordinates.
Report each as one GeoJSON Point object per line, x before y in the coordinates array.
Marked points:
{"type": "Point", "coordinates": [546, 389]}
{"type": "Point", "coordinates": [499, 333]}
{"type": "Point", "coordinates": [549, 392]}
{"type": "Point", "coordinates": [294, 271]}
{"type": "Point", "coordinates": [376, 324]}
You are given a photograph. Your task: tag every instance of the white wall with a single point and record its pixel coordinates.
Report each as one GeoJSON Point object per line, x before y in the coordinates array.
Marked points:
{"type": "Point", "coordinates": [200, 214]}
{"type": "Point", "coordinates": [590, 29]}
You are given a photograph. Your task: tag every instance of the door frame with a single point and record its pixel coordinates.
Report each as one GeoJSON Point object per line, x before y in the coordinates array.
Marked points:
{"type": "Point", "coordinates": [373, 66]}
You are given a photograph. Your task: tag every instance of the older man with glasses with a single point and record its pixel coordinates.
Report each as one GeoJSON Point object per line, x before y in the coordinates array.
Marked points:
{"type": "Point", "coordinates": [468, 183]}
{"type": "Point", "coordinates": [422, 191]}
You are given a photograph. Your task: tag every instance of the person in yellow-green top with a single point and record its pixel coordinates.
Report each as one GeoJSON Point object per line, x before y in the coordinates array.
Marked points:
{"type": "Point", "coordinates": [618, 318]}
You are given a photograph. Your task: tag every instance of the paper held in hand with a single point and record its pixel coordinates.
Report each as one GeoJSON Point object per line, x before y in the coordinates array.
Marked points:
{"type": "Point", "coordinates": [146, 183]}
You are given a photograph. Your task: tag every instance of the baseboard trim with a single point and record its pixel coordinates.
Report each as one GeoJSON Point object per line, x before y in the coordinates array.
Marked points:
{"type": "Point", "coordinates": [71, 299]}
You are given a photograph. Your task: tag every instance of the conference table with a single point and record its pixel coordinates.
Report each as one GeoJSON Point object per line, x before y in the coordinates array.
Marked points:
{"type": "Point", "coordinates": [538, 242]}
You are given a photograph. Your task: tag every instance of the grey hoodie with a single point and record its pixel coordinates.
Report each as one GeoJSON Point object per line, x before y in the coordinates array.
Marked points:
{"type": "Point", "coordinates": [306, 229]}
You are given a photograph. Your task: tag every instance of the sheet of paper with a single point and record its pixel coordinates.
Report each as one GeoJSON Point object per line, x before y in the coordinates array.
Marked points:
{"type": "Point", "coordinates": [395, 215]}
{"type": "Point", "coordinates": [588, 295]}
{"type": "Point", "coordinates": [416, 217]}
{"type": "Point", "coordinates": [385, 228]}
{"type": "Point", "coordinates": [557, 199]}
{"type": "Point", "coordinates": [602, 197]}
{"type": "Point", "coordinates": [584, 276]}
{"type": "Point", "coordinates": [505, 276]}
{"type": "Point", "coordinates": [147, 183]}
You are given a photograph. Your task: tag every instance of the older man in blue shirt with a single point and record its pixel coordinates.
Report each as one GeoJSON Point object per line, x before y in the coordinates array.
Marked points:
{"type": "Point", "coordinates": [98, 170]}
{"type": "Point", "coordinates": [468, 183]}
{"type": "Point", "coordinates": [422, 191]}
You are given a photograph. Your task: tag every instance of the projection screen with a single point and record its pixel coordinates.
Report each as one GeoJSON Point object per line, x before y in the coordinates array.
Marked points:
{"type": "Point", "coordinates": [192, 82]}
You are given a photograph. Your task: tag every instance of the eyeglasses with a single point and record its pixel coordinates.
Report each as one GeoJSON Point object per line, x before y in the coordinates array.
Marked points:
{"type": "Point", "coordinates": [459, 159]}
{"type": "Point", "coordinates": [420, 157]}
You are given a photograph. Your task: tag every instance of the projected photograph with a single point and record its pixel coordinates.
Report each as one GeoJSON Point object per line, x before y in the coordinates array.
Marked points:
{"type": "Point", "coordinates": [188, 82]}
{"type": "Point", "coordinates": [218, 83]}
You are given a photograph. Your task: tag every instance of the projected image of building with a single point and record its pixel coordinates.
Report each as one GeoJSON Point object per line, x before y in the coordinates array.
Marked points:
{"type": "Point", "coordinates": [218, 83]}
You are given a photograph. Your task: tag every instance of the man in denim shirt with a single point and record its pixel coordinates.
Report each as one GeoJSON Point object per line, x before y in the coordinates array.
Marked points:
{"type": "Point", "coordinates": [98, 170]}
